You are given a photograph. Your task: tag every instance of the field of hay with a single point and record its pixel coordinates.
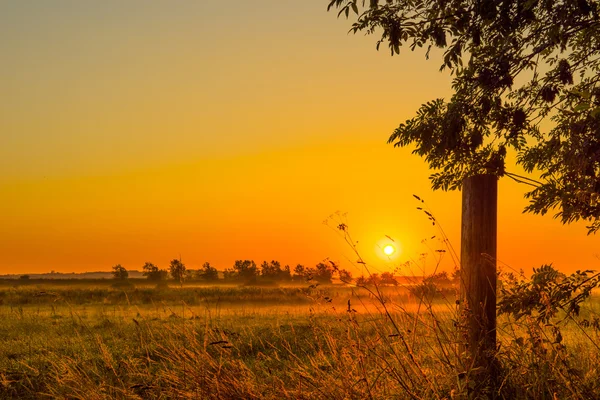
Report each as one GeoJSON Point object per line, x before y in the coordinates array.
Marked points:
{"type": "Point", "coordinates": [90, 340]}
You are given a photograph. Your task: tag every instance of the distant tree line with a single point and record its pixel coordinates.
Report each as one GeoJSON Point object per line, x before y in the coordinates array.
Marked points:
{"type": "Point", "coordinates": [386, 278]}
{"type": "Point", "coordinates": [248, 272]}
{"type": "Point", "coordinates": [242, 271]}
{"type": "Point", "coordinates": [431, 282]}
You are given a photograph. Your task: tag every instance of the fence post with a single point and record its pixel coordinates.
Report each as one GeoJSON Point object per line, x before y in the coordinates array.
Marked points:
{"type": "Point", "coordinates": [478, 272]}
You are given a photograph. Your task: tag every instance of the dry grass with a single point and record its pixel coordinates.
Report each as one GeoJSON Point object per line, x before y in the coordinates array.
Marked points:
{"type": "Point", "coordinates": [315, 347]}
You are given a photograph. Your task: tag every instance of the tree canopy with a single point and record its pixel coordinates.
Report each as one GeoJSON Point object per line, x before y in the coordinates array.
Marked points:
{"type": "Point", "coordinates": [119, 272]}
{"type": "Point", "coordinates": [208, 272]}
{"type": "Point", "coordinates": [177, 270]}
{"type": "Point", "coordinates": [153, 273]}
{"type": "Point", "coordinates": [526, 79]}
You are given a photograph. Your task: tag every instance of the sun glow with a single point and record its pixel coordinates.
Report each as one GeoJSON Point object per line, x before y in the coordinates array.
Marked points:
{"type": "Point", "coordinates": [389, 250]}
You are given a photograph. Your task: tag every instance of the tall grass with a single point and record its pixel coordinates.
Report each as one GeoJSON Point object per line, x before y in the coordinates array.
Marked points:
{"type": "Point", "coordinates": [336, 342]}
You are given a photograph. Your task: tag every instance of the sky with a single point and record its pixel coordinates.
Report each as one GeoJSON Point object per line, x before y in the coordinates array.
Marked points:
{"type": "Point", "coordinates": [216, 130]}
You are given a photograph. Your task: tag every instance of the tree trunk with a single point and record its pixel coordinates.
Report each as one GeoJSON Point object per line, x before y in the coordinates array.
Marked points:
{"type": "Point", "coordinates": [478, 272]}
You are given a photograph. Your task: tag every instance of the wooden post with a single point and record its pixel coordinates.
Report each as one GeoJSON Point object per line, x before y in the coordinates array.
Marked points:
{"type": "Point", "coordinates": [478, 271]}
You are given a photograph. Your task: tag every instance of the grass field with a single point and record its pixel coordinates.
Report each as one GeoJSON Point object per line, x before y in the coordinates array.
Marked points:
{"type": "Point", "coordinates": [89, 340]}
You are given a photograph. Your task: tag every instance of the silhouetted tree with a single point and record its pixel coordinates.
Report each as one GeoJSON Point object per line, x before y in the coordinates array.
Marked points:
{"type": "Point", "coordinates": [153, 273]}
{"type": "Point", "coordinates": [120, 273]}
{"type": "Point", "coordinates": [208, 272]}
{"type": "Point", "coordinates": [515, 64]}
{"type": "Point", "coordinates": [387, 278]}
{"type": "Point", "coordinates": [229, 274]}
{"type": "Point", "coordinates": [433, 285]}
{"type": "Point", "coordinates": [245, 270]}
{"type": "Point", "coordinates": [455, 278]}
{"type": "Point", "coordinates": [345, 276]}
{"type": "Point", "coordinates": [374, 279]}
{"type": "Point", "coordinates": [361, 281]}
{"type": "Point", "coordinates": [323, 273]}
{"type": "Point", "coordinates": [273, 271]}
{"type": "Point", "coordinates": [270, 270]}
{"type": "Point", "coordinates": [299, 272]}
{"type": "Point", "coordinates": [286, 273]}
{"type": "Point", "coordinates": [440, 279]}
{"type": "Point", "coordinates": [177, 270]}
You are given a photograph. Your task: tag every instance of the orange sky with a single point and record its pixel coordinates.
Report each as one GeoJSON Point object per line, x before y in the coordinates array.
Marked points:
{"type": "Point", "coordinates": [144, 130]}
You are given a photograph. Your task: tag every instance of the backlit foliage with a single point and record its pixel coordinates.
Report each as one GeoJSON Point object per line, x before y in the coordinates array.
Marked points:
{"type": "Point", "coordinates": [515, 63]}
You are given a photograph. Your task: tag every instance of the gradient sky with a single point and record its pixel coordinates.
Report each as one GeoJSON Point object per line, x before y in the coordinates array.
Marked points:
{"type": "Point", "coordinates": [135, 131]}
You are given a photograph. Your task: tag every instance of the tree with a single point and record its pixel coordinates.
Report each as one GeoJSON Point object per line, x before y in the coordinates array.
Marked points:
{"type": "Point", "coordinates": [515, 64]}
{"type": "Point", "coordinates": [229, 274]}
{"type": "Point", "coordinates": [387, 278]}
{"type": "Point", "coordinates": [273, 271]}
{"type": "Point", "coordinates": [270, 270]}
{"type": "Point", "coordinates": [120, 273]}
{"type": "Point", "coordinates": [286, 273]}
{"type": "Point", "coordinates": [24, 277]}
{"type": "Point", "coordinates": [208, 272]}
{"type": "Point", "coordinates": [455, 278]}
{"type": "Point", "coordinates": [361, 281]}
{"type": "Point", "coordinates": [439, 279]}
{"type": "Point", "coordinates": [323, 273]}
{"type": "Point", "coordinates": [245, 270]}
{"type": "Point", "coordinates": [345, 276]}
{"type": "Point", "coordinates": [177, 270]}
{"type": "Point", "coordinates": [299, 272]}
{"type": "Point", "coordinates": [374, 279]}
{"type": "Point", "coordinates": [153, 273]}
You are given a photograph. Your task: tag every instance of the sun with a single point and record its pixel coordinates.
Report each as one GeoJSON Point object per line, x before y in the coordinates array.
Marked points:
{"type": "Point", "coordinates": [389, 250]}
